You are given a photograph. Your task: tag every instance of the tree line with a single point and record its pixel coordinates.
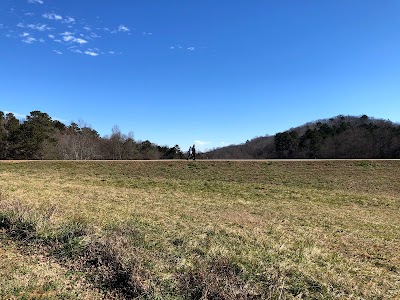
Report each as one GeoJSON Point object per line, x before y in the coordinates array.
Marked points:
{"type": "Point", "coordinates": [339, 137]}
{"type": "Point", "coordinates": [38, 136]}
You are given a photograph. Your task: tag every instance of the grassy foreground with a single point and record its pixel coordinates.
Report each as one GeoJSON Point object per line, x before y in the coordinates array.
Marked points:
{"type": "Point", "coordinates": [201, 230]}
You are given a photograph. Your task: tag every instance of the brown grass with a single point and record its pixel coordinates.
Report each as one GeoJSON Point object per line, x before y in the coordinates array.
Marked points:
{"type": "Point", "coordinates": [216, 230]}
{"type": "Point", "coordinates": [35, 276]}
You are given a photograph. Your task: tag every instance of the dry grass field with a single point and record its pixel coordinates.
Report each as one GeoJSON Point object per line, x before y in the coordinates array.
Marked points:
{"type": "Point", "coordinates": [200, 230]}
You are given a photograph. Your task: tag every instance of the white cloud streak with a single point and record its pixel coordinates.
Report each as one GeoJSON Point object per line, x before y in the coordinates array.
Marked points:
{"type": "Point", "coordinates": [91, 52]}
{"type": "Point", "coordinates": [69, 20]}
{"type": "Point", "coordinates": [29, 40]}
{"type": "Point", "coordinates": [80, 41]}
{"type": "Point", "coordinates": [72, 39]}
{"type": "Point", "coordinates": [17, 115]}
{"type": "Point", "coordinates": [191, 48]}
{"type": "Point", "coordinates": [123, 28]}
{"type": "Point", "coordinates": [38, 27]}
{"type": "Point", "coordinates": [202, 143]}
{"type": "Point", "coordinates": [35, 1]}
{"type": "Point", "coordinates": [95, 36]}
{"type": "Point", "coordinates": [69, 38]}
{"type": "Point", "coordinates": [52, 16]}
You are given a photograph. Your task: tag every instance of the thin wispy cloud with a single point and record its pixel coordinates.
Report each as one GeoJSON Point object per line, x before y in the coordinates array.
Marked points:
{"type": "Point", "coordinates": [95, 35]}
{"type": "Point", "coordinates": [123, 28]}
{"type": "Point", "coordinates": [182, 48]}
{"type": "Point", "coordinates": [202, 143]}
{"type": "Point", "coordinates": [76, 50]}
{"type": "Point", "coordinates": [17, 115]}
{"type": "Point", "coordinates": [80, 41]}
{"type": "Point", "coordinates": [35, 1]}
{"type": "Point", "coordinates": [177, 47]}
{"type": "Point", "coordinates": [57, 52]}
{"type": "Point", "coordinates": [29, 40]}
{"type": "Point", "coordinates": [72, 39]}
{"type": "Point", "coordinates": [69, 20]}
{"type": "Point", "coordinates": [59, 119]}
{"type": "Point", "coordinates": [68, 38]}
{"type": "Point", "coordinates": [52, 16]}
{"type": "Point", "coordinates": [38, 27]}
{"type": "Point", "coordinates": [91, 52]}
{"type": "Point", "coordinates": [67, 33]}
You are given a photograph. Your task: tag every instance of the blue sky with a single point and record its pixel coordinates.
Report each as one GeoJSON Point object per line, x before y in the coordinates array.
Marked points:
{"type": "Point", "coordinates": [210, 72]}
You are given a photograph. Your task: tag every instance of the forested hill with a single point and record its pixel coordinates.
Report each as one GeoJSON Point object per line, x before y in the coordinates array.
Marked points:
{"type": "Point", "coordinates": [40, 137]}
{"type": "Point", "coordinates": [338, 137]}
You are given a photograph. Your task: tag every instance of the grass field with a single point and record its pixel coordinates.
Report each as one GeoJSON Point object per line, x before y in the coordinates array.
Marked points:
{"type": "Point", "coordinates": [200, 230]}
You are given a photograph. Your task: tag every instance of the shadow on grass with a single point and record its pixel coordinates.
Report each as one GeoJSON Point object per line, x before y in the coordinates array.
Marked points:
{"type": "Point", "coordinates": [107, 260]}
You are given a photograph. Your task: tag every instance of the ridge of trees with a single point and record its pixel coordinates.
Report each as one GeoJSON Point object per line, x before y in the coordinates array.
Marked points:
{"type": "Point", "coordinates": [339, 137]}
{"type": "Point", "coordinates": [41, 137]}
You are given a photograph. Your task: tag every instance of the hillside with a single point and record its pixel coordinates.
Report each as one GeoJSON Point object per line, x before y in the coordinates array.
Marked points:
{"type": "Point", "coordinates": [338, 137]}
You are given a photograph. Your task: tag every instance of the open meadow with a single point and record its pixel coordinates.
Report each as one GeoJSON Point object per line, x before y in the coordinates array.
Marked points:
{"type": "Point", "coordinates": [200, 230]}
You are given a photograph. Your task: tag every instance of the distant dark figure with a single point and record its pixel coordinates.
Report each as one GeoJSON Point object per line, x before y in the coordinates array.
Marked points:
{"type": "Point", "coordinates": [189, 155]}
{"type": "Point", "coordinates": [194, 152]}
